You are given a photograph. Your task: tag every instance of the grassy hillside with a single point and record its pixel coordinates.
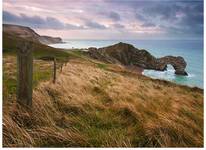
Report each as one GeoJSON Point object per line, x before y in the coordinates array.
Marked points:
{"type": "Point", "coordinates": [100, 105]}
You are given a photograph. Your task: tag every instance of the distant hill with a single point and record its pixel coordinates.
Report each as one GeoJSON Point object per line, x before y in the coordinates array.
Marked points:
{"type": "Point", "coordinates": [14, 35]}
{"type": "Point", "coordinates": [28, 33]}
{"type": "Point", "coordinates": [50, 40]}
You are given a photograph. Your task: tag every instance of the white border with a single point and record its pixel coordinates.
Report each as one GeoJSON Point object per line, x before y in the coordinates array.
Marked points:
{"type": "Point", "coordinates": [1, 86]}
{"type": "Point", "coordinates": [1, 103]}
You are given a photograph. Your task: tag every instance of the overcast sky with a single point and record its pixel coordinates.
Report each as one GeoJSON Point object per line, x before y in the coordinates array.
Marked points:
{"type": "Point", "coordinates": [109, 19]}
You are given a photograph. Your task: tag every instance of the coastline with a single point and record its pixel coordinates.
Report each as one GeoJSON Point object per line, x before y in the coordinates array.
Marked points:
{"type": "Point", "coordinates": [154, 48]}
{"type": "Point", "coordinates": [139, 71]}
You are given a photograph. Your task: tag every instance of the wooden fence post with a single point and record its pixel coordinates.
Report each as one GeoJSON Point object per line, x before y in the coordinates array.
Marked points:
{"type": "Point", "coordinates": [61, 66]}
{"type": "Point", "coordinates": [54, 71]}
{"type": "Point", "coordinates": [24, 73]}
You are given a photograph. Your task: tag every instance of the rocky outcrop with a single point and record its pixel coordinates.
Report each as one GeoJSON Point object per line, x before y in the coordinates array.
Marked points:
{"type": "Point", "coordinates": [127, 54]}
{"type": "Point", "coordinates": [28, 33]}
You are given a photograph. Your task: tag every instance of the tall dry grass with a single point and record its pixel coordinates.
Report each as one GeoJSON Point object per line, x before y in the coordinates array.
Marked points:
{"type": "Point", "coordinates": [93, 106]}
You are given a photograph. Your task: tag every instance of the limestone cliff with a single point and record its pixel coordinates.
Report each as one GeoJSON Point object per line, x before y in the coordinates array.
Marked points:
{"type": "Point", "coordinates": [127, 54]}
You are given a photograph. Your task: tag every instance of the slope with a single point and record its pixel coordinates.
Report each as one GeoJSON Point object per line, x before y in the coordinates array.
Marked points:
{"type": "Point", "coordinates": [103, 105]}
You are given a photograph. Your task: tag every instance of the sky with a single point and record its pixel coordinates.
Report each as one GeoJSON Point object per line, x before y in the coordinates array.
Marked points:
{"type": "Point", "coordinates": [108, 19]}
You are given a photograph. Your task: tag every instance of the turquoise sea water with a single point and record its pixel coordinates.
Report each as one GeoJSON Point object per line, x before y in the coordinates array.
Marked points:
{"type": "Point", "coordinates": [191, 50]}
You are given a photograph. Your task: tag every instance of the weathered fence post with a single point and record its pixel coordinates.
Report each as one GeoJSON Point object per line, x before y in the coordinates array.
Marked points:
{"type": "Point", "coordinates": [54, 71]}
{"type": "Point", "coordinates": [24, 73]}
{"type": "Point", "coordinates": [61, 66]}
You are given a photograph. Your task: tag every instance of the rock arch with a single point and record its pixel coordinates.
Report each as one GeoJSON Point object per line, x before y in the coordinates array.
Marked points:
{"type": "Point", "coordinates": [128, 55]}
{"type": "Point", "coordinates": [178, 63]}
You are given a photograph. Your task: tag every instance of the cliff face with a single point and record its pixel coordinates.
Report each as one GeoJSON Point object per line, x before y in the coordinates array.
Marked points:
{"type": "Point", "coordinates": [50, 40]}
{"type": "Point", "coordinates": [127, 54]}
{"type": "Point", "coordinates": [28, 33]}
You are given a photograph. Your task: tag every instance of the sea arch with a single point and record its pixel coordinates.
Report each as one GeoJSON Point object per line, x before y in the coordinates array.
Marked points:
{"type": "Point", "coordinates": [178, 63]}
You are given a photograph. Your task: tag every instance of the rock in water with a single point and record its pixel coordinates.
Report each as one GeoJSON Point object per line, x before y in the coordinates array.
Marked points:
{"type": "Point", "coordinates": [127, 54]}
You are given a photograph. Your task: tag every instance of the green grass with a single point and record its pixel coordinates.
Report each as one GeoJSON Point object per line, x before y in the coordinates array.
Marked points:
{"type": "Point", "coordinates": [102, 66]}
{"type": "Point", "coordinates": [41, 74]}
{"type": "Point", "coordinates": [42, 71]}
{"type": "Point", "coordinates": [77, 52]}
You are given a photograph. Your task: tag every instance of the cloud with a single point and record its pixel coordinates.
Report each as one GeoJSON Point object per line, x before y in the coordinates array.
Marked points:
{"type": "Point", "coordinates": [177, 17]}
{"type": "Point", "coordinates": [148, 24]}
{"type": "Point", "coordinates": [140, 17]}
{"type": "Point", "coordinates": [94, 25]}
{"type": "Point", "coordinates": [73, 27]}
{"type": "Point", "coordinates": [55, 23]}
{"type": "Point", "coordinates": [163, 11]}
{"type": "Point", "coordinates": [48, 22]}
{"type": "Point", "coordinates": [193, 16]}
{"type": "Point", "coordinates": [114, 16]}
{"type": "Point", "coordinates": [35, 22]}
{"type": "Point", "coordinates": [9, 17]}
{"type": "Point", "coordinates": [191, 22]}
{"type": "Point", "coordinates": [38, 22]}
{"type": "Point", "coordinates": [118, 26]}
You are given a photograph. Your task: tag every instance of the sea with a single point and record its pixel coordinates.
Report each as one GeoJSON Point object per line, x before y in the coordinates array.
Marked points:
{"type": "Point", "coordinates": [190, 50]}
